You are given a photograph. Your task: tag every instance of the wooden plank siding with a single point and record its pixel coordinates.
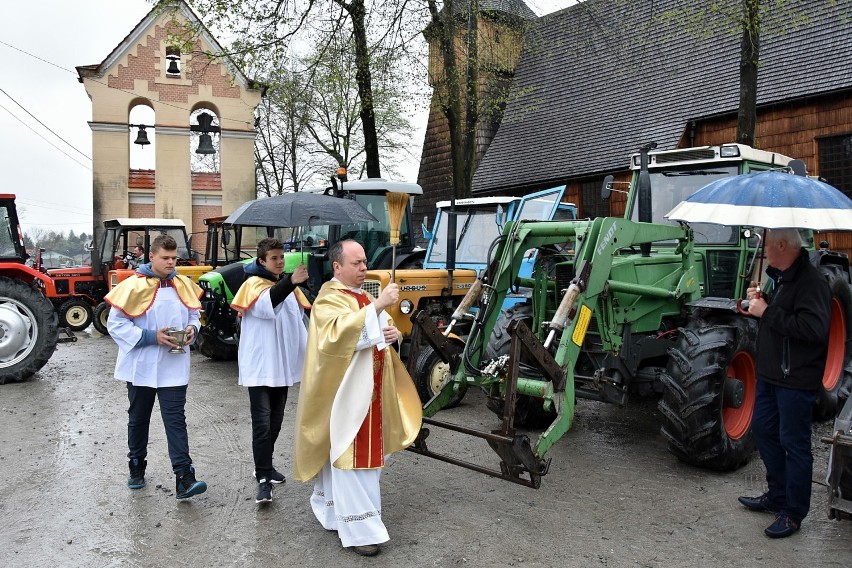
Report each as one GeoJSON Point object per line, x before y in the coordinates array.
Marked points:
{"type": "Point", "coordinates": [793, 129]}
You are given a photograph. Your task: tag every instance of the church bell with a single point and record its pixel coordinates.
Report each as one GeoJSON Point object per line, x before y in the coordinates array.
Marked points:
{"type": "Point", "coordinates": [205, 144]}
{"type": "Point", "coordinates": [142, 136]}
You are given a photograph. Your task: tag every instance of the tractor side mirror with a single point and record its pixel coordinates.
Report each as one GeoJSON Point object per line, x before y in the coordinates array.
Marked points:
{"type": "Point", "coordinates": [606, 188]}
{"type": "Point", "coordinates": [226, 237]}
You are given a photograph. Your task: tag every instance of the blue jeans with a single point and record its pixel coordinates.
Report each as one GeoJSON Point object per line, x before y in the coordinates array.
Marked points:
{"type": "Point", "coordinates": [172, 402]}
{"type": "Point", "coordinates": [782, 430]}
{"type": "Point", "coordinates": [267, 414]}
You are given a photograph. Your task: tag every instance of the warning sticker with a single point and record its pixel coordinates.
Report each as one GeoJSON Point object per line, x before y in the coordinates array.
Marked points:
{"type": "Point", "coordinates": [583, 319]}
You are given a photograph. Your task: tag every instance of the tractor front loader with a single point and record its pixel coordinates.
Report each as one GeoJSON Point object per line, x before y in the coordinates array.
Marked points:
{"type": "Point", "coordinates": [604, 306]}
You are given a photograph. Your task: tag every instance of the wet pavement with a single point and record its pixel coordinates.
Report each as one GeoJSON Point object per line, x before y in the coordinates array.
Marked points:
{"type": "Point", "coordinates": [613, 497]}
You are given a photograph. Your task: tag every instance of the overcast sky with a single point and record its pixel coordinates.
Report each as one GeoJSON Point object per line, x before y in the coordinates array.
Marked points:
{"type": "Point", "coordinates": [52, 179]}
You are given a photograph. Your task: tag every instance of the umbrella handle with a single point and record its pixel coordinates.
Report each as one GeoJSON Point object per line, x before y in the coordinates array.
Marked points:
{"type": "Point", "coordinates": [744, 310]}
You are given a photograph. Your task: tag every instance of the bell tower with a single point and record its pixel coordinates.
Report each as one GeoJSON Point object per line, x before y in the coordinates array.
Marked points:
{"type": "Point", "coordinates": [190, 111]}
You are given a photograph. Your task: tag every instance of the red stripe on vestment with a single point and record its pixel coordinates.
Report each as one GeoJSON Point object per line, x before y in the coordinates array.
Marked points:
{"type": "Point", "coordinates": [368, 444]}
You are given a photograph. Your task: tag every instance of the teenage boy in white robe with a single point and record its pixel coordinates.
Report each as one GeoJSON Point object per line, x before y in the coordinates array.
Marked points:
{"type": "Point", "coordinates": [271, 352]}
{"type": "Point", "coordinates": [144, 307]}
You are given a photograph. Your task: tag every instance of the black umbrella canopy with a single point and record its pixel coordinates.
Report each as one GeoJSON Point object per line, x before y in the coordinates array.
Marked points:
{"type": "Point", "coordinates": [299, 209]}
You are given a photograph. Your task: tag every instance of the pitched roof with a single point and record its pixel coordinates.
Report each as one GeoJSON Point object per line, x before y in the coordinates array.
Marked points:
{"type": "Point", "coordinates": [509, 7]}
{"type": "Point", "coordinates": [132, 38]}
{"type": "Point", "coordinates": [601, 78]}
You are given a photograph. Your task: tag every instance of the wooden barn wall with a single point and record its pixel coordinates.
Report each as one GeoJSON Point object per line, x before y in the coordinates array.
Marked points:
{"type": "Point", "coordinates": [791, 129]}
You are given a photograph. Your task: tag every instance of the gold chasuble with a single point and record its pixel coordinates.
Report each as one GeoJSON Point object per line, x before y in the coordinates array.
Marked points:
{"type": "Point", "coordinates": [135, 295]}
{"type": "Point", "coordinates": [391, 418]}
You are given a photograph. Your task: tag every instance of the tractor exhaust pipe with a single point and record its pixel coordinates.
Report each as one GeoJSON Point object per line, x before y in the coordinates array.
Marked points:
{"type": "Point", "coordinates": [643, 188]}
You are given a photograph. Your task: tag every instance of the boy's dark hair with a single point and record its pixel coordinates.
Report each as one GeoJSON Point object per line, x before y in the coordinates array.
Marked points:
{"type": "Point", "coordinates": [266, 245]}
{"type": "Point", "coordinates": [165, 242]}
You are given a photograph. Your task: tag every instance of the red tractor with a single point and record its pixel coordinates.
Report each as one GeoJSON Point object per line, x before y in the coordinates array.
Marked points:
{"type": "Point", "coordinates": [29, 327]}
{"type": "Point", "coordinates": [77, 293]}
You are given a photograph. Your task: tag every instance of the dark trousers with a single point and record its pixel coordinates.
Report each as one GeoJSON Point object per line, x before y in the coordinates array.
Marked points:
{"type": "Point", "coordinates": [782, 430]}
{"type": "Point", "coordinates": [267, 414]}
{"type": "Point", "coordinates": [172, 403]}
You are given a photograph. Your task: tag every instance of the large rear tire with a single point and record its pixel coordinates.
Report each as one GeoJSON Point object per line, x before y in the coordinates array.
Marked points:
{"type": "Point", "coordinates": [75, 314]}
{"type": "Point", "coordinates": [837, 379]}
{"type": "Point", "coordinates": [709, 390]}
{"type": "Point", "coordinates": [213, 348]}
{"type": "Point", "coordinates": [29, 330]}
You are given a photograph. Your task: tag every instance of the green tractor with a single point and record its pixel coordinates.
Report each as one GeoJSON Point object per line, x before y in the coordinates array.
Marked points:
{"type": "Point", "coordinates": [219, 334]}
{"type": "Point", "coordinates": [636, 305]}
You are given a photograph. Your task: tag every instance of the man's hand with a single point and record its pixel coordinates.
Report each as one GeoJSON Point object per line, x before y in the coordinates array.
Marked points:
{"type": "Point", "coordinates": [190, 333]}
{"type": "Point", "coordinates": [756, 304]}
{"type": "Point", "coordinates": [388, 297]}
{"type": "Point", "coordinates": [299, 275]}
{"type": "Point", "coordinates": [391, 334]}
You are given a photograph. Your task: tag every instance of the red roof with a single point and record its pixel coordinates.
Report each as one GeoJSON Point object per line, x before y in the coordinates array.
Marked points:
{"type": "Point", "coordinates": [207, 180]}
{"type": "Point", "coordinates": [141, 179]}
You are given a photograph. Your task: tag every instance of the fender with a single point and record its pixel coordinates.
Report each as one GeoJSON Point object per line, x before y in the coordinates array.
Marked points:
{"type": "Point", "coordinates": [29, 275]}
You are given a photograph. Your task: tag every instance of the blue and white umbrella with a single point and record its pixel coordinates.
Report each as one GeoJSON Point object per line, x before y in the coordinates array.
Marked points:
{"type": "Point", "coordinates": [773, 200]}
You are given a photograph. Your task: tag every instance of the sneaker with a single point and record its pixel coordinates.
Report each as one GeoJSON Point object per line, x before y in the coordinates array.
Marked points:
{"type": "Point", "coordinates": [275, 477]}
{"type": "Point", "coordinates": [761, 504]}
{"type": "Point", "coordinates": [136, 479]}
{"type": "Point", "coordinates": [264, 491]}
{"type": "Point", "coordinates": [367, 549]}
{"type": "Point", "coordinates": [186, 485]}
{"type": "Point", "coordinates": [783, 526]}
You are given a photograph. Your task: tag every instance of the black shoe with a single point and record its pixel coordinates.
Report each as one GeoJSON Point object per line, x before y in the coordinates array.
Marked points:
{"type": "Point", "coordinates": [136, 479]}
{"type": "Point", "coordinates": [264, 491]}
{"type": "Point", "coordinates": [275, 477]}
{"type": "Point", "coordinates": [367, 549]}
{"type": "Point", "coordinates": [760, 504]}
{"type": "Point", "coordinates": [186, 485]}
{"type": "Point", "coordinates": [783, 526]}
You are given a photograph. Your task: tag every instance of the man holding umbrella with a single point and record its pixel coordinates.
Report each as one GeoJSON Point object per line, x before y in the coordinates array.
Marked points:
{"type": "Point", "coordinates": [792, 343]}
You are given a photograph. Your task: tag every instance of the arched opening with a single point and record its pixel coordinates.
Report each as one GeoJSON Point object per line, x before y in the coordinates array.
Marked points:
{"type": "Point", "coordinates": [204, 141]}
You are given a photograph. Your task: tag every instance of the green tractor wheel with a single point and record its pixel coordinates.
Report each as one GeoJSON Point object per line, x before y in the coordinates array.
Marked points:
{"type": "Point", "coordinates": [529, 411]}
{"type": "Point", "coordinates": [214, 348]}
{"type": "Point", "coordinates": [709, 390]}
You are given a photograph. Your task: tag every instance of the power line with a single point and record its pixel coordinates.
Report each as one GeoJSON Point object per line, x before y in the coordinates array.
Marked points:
{"type": "Point", "coordinates": [106, 84]}
{"type": "Point", "coordinates": [45, 139]}
{"type": "Point", "coordinates": [43, 124]}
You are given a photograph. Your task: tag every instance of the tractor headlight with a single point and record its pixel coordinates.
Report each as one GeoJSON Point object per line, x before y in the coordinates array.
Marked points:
{"type": "Point", "coordinates": [406, 306]}
{"type": "Point", "coordinates": [729, 151]}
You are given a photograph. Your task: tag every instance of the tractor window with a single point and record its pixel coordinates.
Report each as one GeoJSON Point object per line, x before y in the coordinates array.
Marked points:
{"type": "Point", "coordinates": [375, 236]}
{"type": "Point", "coordinates": [722, 269]}
{"type": "Point", "coordinates": [7, 238]}
{"type": "Point", "coordinates": [670, 187]}
{"type": "Point", "coordinates": [475, 231]}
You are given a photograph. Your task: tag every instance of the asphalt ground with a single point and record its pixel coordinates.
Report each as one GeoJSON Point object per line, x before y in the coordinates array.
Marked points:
{"type": "Point", "coordinates": [613, 496]}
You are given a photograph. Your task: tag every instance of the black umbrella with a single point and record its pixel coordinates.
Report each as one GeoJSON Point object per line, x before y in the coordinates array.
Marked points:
{"type": "Point", "coordinates": [299, 209]}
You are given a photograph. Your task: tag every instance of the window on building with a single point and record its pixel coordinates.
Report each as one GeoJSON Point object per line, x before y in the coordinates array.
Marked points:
{"type": "Point", "coordinates": [835, 161]}
{"type": "Point", "coordinates": [593, 206]}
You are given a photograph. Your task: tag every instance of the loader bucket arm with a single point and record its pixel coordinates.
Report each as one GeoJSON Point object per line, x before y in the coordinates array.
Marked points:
{"type": "Point", "coordinates": [597, 245]}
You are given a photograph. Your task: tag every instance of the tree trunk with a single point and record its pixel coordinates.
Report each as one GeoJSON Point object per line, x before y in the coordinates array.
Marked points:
{"type": "Point", "coordinates": [365, 87]}
{"type": "Point", "coordinates": [472, 98]}
{"type": "Point", "coordinates": [749, 55]}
